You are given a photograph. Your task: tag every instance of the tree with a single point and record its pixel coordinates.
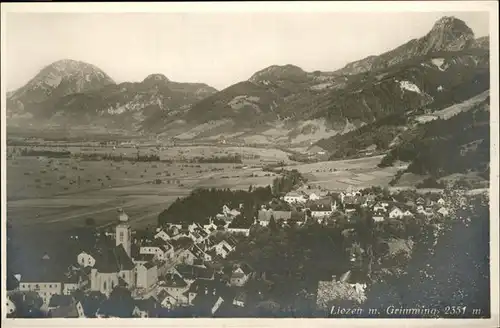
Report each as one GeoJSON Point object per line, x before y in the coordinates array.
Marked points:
{"type": "Point", "coordinates": [120, 302]}
{"type": "Point", "coordinates": [273, 226]}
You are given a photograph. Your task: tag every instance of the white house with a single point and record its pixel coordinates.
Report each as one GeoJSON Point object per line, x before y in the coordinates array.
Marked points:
{"type": "Point", "coordinates": [321, 210]}
{"type": "Point", "coordinates": [157, 251]}
{"type": "Point", "coordinates": [10, 306]}
{"type": "Point", "coordinates": [242, 231]}
{"type": "Point", "coordinates": [380, 207]}
{"type": "Point", "coordinates": [72, 283]}
{"type": "Point", "coordinates": [45, 289]}
{"type": "Point", "coordinates": [294, 198]}
{"type": "Point", "coordinates": [187, 256]}
{"type": "Point", "coordinates": [172, 291]}
{"type": "Point", "coordinates": [223, 248]}
{"type": "Point", "coordinates": [147, 275]}
{"type": "Point", "coordinates": [163, 235]}
{"type": "Point", "coordinates": [441, 201]}
{"type": "Point", "coordinates": [210, 228]}
{"type": "Point", "coordinates": [443, 211]}
{"type": "Point", "coordinates": [408, 213]}
{"type": "Point", "coordinates": [240, 275]}
{"type": "Point", "coordinates": [85, 259]}
{"type": "Point", "coordinates": [396, 213]}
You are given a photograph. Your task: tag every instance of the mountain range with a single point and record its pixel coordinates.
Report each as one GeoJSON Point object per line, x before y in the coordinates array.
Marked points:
{"type": "Point", "coordinates": [280, 104]}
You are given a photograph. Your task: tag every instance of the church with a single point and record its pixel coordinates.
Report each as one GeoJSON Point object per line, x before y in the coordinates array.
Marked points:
{"type": "Point", "coordinates": [113, 263]}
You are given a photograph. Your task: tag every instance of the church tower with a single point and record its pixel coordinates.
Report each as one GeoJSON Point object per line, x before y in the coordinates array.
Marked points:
{"type": "Point", "coordinates": [124, 232]}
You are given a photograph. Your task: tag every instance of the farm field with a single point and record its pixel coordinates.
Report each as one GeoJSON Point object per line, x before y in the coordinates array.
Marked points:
{"type": "Point", "coordinates": [41, 191]}
{"type": "Point", "coordinates": [339, 175]}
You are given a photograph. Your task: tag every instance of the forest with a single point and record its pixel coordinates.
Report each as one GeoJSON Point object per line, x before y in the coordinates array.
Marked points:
{"type": "Point", "coordinates": [203, 203]}
{"type": "Point", "coordinates": [442, 147]}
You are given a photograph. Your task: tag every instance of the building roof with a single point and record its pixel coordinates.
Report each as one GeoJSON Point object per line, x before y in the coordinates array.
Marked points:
{"type": "Point", "coordinates": [194, 272]}
{"type": "Point", "coordinates": [162, 295]}
{"type": "Point", "coordinates": [294, 194]}
{"type": "Point", "coordinates": [265, 215]}
{"type": "Point", "coordinates": [197, 251]}
{"type": "Point", "coordinates": [149, 265]}
{"type": "Point", "coordinates": [208, 287]}
{"type": "Point", "coordinates": [173, 280]}
{"type": "Point", "coordinates": [113, 259]}
{"type": "Point", "coordinates": [245, 267]}
{"type": "Point", "coordinates": [145, 257]}
{"type": "Point", "coordinates": [46, 270]}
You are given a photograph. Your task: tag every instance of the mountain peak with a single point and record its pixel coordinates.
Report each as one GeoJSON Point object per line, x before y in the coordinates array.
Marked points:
{"type": "Point", "coordinates": [449, 34]}
{"type": "Point", "coordinates": [155, 78]}
{"type": "Point", "coordinates": [61, 78]}
{"type": "Point", "coordinates": [278, 72]}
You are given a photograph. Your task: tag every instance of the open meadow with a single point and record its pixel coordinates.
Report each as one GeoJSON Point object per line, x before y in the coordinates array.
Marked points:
{"type": "Point", "coordinates": [44, 190]}
{"type": "Point", "coordinates": [339, 175]}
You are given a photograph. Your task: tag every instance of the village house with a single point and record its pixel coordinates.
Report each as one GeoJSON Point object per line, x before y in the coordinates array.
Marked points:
{"type": "Point", "coordinates": [240, 275]}
{"type": "Point", "coordinates": [441, 201]}
{"type": "Point", "coordinates": [206, 296]}
{"type": "Point", "coordinates": [380, 207]}
{"type": "Point", "coordinates": [161, 251]}
{"type": "Point", "coordinates": [73, 282]}
{"type": "Point", "coordinates": [191, 273]}
{"type": "Point", "coordinates": [172, 288]}
{"type": "Point", "coordinates": [163, 235]}
{"type": "Point", "coordinates": [264, 216]}
{"type": "Point", "coordinates": [210, 227]}
{"type": "Point", "coordinates": [320, 209]}
{"type": "Point", "coordinates": [443, 211]}
{"type": "Point", "coordinates": [240, 299]}
{"type": "Point", "coordinates": [199, 254]}
{"type": "Point", "coordinates": [408, 213]}
{"type": "Point", "coordinates": [294, 197]}
{"type": "Point", "coordinates": [379, 216]}
{"type": "Point", "coordinates": [223, 248]}
{"type": "Point", "coordinates": [10, 307]}
{"type": "Point", "coordinates": [85, 259]}
{"type": "Point", "coordinates": [396, 213]}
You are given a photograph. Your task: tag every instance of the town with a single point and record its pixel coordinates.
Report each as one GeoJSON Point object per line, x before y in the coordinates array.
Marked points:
{"type": "Point", "coordinates": [220, 265]}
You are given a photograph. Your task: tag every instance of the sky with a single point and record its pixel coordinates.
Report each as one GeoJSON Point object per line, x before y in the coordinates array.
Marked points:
{"type": "Point", "coordinates": [219, 49]}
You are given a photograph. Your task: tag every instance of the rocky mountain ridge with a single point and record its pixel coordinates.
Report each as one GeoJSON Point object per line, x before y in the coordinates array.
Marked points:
{"type": "Point", "coordinates": [281, 104]}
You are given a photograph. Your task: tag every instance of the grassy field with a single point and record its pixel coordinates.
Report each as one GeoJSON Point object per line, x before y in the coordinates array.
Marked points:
{"type": "Point", "coordinates": [42, 191]}
{"type": "Point", "coordinates": [339, 175]}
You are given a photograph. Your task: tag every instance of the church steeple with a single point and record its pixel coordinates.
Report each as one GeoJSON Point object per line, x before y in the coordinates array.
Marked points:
{"type": "Point", "coordinates": [123, 232]}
